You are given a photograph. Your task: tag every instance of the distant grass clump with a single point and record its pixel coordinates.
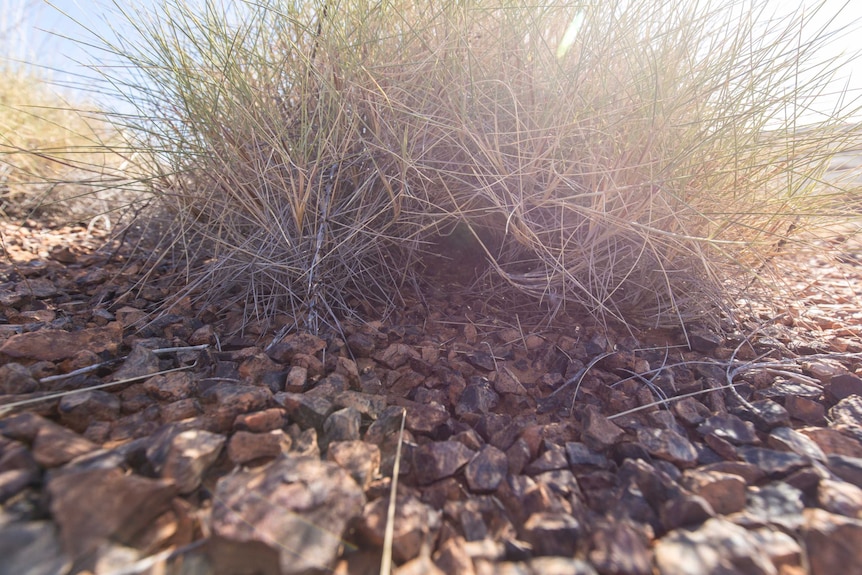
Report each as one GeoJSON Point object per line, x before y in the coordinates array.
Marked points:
{"type": "Point", "coordinates": [58, 162]}
{"type": "Point", "coordinates": [637, 159]}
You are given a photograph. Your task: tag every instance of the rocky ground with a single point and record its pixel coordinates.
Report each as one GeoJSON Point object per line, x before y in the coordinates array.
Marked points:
{"type": "Point", "coordinates": [569, 450]}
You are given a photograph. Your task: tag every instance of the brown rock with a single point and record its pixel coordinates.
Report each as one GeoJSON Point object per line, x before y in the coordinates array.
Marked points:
{"type": "Point", "coordinates": [619, 548]}
{"type": "Point", "coordinates": [725, 492]}
{"type": "Point", "coordinates": [56, 345]}
{"type": "Point", "coordinates": [833, 442]}
{"type": "Point", "coordinates": [297, 379]}
{"type": "Point", "coordinates": [434, 461]}
{"type": "Point", "coordinates": [730, 428]}
{"type": "Point", "coordinates": [834, 542]}
{"type": "Point", "coordinates": [189, 457]}
{"type": "Point", "coordinates": [452, 557]}
{"type": "Point", "coordinates": [787, 439]}
{"type": "Point", "coordinates": [180, 410]}
{"type": "Point", "coordinates": [245, 446]}
{"type": "Point", "coordinates": [691, 411]}
{"type": "Point", "coordinates": [342, 425]}
{"type": "Point", "coordinates": [396, 355]}
{"type": "Point", "coordinates": [100, 505]}
{"type": "Point", "coordinates": [309, 411]}
{"type": "Point", "coordinates": [843, 386]}
{"type": "Point", "coordinates": [805, 410]}
{"type": "Point", "coordinates": [600, 432]}
{"type": "Point", "coordinates": [848, 411]}
{"type": "Point", "coordinates": [717, 546]}
{"type": "Point", "coordinates": [685, 509]}
{"type": "Point", "coordinates": [668, 445]}
{"type": "Point", "coordinates": [782, 549]}
{"type": "Point", "coordinates": [553, 533]}
{"type": "Point", "coordinates": [15, 379]}
{"type": "Point", "coordinates": [294, 510]}
{"type": "Point", "coordinates": [294, 344]}
{"type": "Point", "coordinates": [840, 498]}
{"type": "Point", "coordinates": [486, 470]}
{"type": "Point", "coordinates": [261, 421]}
{"type": "Point", "coordinates": [414, 522]}
{"type": "Point", "coordinates": [55, 445]}
{"type": "Point", "coordinates": [368, 405]}
{"type": "Point", "coordinates": [140, 362]}
{"type": "Point", "coordinates": [360, 459]}
{"type": "Point", "coordinates": [32, 547]}
{"type": "Point", "coordinates": [170, 386]}
{"type": "Point", "coordinates": [78, 410]}
{"type": "Point", "coordinates": [230, 400]}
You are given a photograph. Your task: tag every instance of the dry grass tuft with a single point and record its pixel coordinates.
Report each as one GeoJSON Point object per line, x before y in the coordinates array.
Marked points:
{"type": "Point", "coordinates": [638, 159]}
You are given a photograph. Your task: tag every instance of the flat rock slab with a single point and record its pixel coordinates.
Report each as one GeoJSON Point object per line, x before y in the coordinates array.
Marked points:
{"type": "Point", "coordinates": [56, 345]}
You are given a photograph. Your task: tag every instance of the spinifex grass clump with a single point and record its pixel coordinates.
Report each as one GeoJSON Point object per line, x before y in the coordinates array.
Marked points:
{"type": "Point", "coordinates": [57, 161]}
{"type": "Point", "coordinates": [638, 159]}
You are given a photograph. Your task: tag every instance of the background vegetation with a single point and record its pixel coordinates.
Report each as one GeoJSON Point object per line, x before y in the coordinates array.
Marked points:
{"type": "Point", "coordinates": [640, 160]}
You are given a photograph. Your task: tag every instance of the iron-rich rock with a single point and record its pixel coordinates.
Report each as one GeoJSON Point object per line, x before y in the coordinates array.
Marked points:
{"type": "Point", "coordinates": [619, 548]}
{"type": "Point", "coordinates": [414, 523]}
{"type": "Point", "coordinates": [685, 509]}
{"type": "Point", "coordinates": [600, 432]}
{"type": "Point", "coordinates": [730, 428]}
{"type": "Point", "coordinates": [189, 456]}
{"type": "Point", "coordinates": [360, 459]}
{"type": "Point", "coordinates": [477, 398]}
{"type": "Point", "coordinates": [245, 446]}
{"type": "Point", "coordinates": [717, 547]}
{"type": "Point", "coordinates": [95, 506]}
{"type": "Point", "coordinates": [787, 439]}
{"type": "Point", "coordinates": [15, 379]}
{"type": "Point", "coordinates": [847, 468]}
{"type": "Point", "coordinates": [55, 345]}
{"type": "Point", "coordinates": [834, 542]}
{"type": "Point", "coordinates": [77, 411]}
{"type": "Point", "coordinates": [772, 462]}
{"type": "Point", "coordinates": [261, 421]}
{"type": "Point", "coordinates": [843, 386]}
{"type": "Point", "coordinates": [725, 492]}
{"type": "Point", "coordinates": [774, 504]}
{"type": "Point", "coordinates": [55, 445]}
{"type": "Point", "coordinates": [668, 445]}
{"type": "Point", "coordinates": [553, 533]}
{"type": "Point", "coordinates": [309, 411]}
{"type": "Point", "coordinates": [342, 425]}
{"type": "Point", "coordinates": [848, 411]}
{"type": "Point", "coordinates": [840, 498]}
{"type": "Point", "coordinates": [296, 508]}
{"type": "Point", "coordinates": [293, 344]}
{"type": "Point", "coordinates": [486, 470]}
{"type": "Point", "coordinates": [552, 459]}
{"type": "Point", "coordinates": [436, 460]}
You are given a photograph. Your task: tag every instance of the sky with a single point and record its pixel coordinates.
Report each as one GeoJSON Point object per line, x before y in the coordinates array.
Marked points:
{"type": "Point", "coordinates": [40, 30]}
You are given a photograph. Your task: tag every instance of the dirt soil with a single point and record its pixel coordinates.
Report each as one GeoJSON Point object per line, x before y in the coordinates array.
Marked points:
{"type": "Point", "coordinates": [178, 448]}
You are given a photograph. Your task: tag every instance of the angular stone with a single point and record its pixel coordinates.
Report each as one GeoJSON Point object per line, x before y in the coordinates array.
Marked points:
{"type": "Point", "coordinates": [56, 345]}
{"type": "Point", "coordinates": [140, 362]}
{"type": "Point", "coordinates": [691, 411]}
{"type": "Point", "coordinates": [581, 457]}
{"type": "Point", "coordinates": [833, 442]}
{"type": "Point", "coordinates": [774, 504]}
{"type": "Point", "coordinates": [805, 410]}
{"type": "Point", "coordinates": [342, 425]}
{"type": "Point", "coordinates": [360, 459]}
{"type": "Point", "coordinates": [787, 439]}
{"type": "Point", "coordinates": [481, 360]}
{"type": "Point", "coordinates": [261, 421]}
{"type": "Point", "coordinates": [782, 549]}
{"type": "Point", "coordinates": [32, 547]}
{"type": "Point", "coordinates": [426, 419]}
{"type": "Point", "coordinates": [750, 474]}
{"type": "Point", "coordinates": [843, 386]}
{"type": "Point", "coordinates": [553, 533]}
{"type": "Point", "coordinates": [296, 508]}
{"type": "Point", "coordinates": [13, 481]}
{"type": "Point", "coordinates": [414, 521]}
{"type": "Point", "coordinates": [772, 462]}
{"type": "Point", "coordinates": [840, 498]}
{"type": "Point", "coordinates": [730, 428]}
{"type": "Point", "coordinates": [848, 411]}
{"type": "Point", "coordinates": [190, 455]}
{"type": "Point", "coordinates": [78, 410]}
{"type": "Point", "coordinates": [668, 445]}
{"type": "Point", "coordinates": [55, 445]}
{"type": "Point", "coordinates": [309, 411]}
{"type": "Point", "coordinates": [180, 410]}
{"type": "Point", "coordinates": [297, 379]}
{"type": "Point", "coordinates": [619, 548]}
{"type": "Point", "coordinates": [725, 492]}
{"type": "Point", "coordinates": [99, 505]}
{"type": "Point", "coordinates": [452, 557]}
{"type": "Point", "coordinates": [478, 397]}
{"type": "Point", "coordinates": [361, 345]}
{"type": "Point", "coordinates": [506, 383]}
{"type": "Point", "coordinates": [232, 399]}
{"type": "Point", "coordinates": [600, 432]}
{"type": "Point", "coordinates": [765, 414]}
{"type": "Point", "coordinates": [245, 446]}
{"type": "Point", "coordinates": [847, 468]}
{"type": "Point", "coordinates": [486, 470]}
{"type": "Point", "coordinates": [370, 406]}
{"type": "Point", "coordinates": [834, 542]}
{"type": "Point", "coordinates": [171, 386]}
{"type": "Point", "coordinates": [434, 461]}
{"type": "Point", "coordinates": [293, 344]}
{"type": "Point", "coordinates": [396, 355]}
{"type": "Point", "coordinates": [717, 547]}
{"type": "Point", "coordinates": [15, 379]}
{"type": "Point", "coordinates": [685, 509]}
{"type": "Point", "coordinates": [552, 459]}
